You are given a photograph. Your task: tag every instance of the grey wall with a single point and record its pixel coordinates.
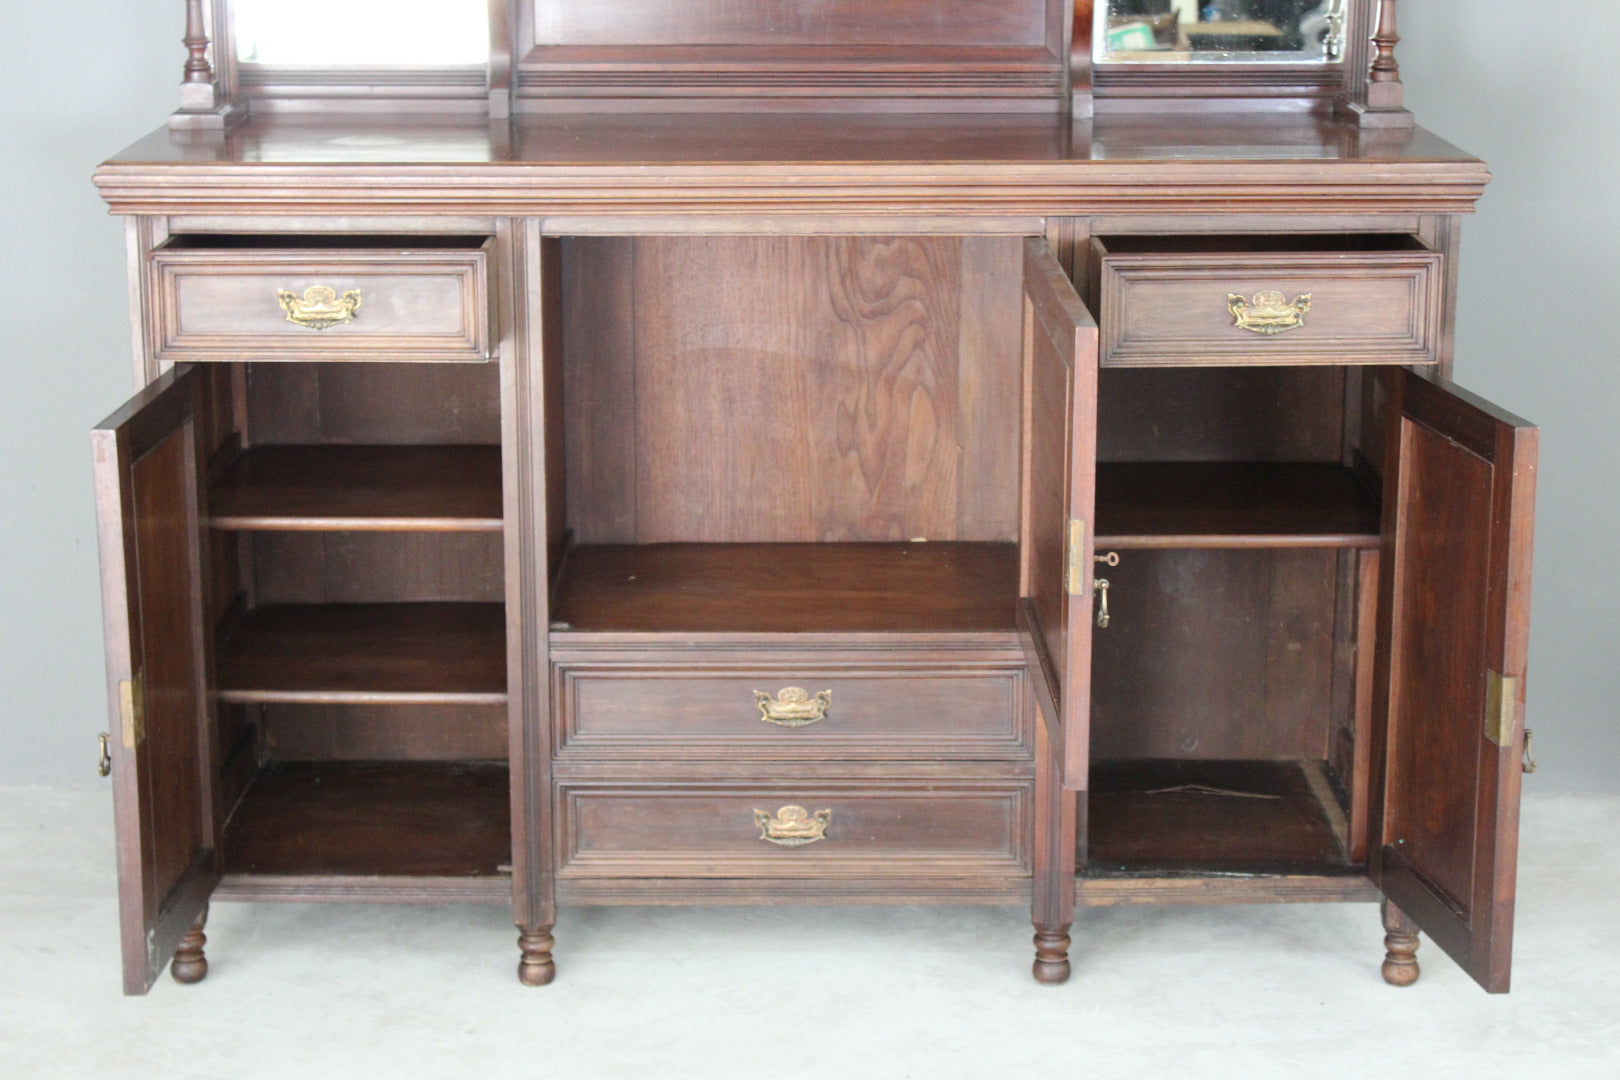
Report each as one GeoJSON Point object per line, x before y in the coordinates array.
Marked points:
{"type": "Point", "coordinates": [80, 79]}
{"type": "Point", "coordinates": [1537, 95]}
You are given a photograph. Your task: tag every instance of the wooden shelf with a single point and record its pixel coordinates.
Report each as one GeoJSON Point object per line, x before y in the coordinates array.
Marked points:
{"type": "Point", "coordinates": [1184, 504]}
{"type": "Point", "coordinates": [789, 588]}
{"type": "Point", "coordinates": [1213, 817]}
{"type": "Point", "coordinates": [383, 488]}
{"type": "Point", "coordinates": [366, 654]}
{"type": "Point", "coordinates": [421, 820]}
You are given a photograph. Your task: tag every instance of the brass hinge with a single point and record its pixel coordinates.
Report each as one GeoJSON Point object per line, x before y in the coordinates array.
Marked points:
{"type": "Point", "coordinates": [132, 711]}
{"type": "Point", "coordinates": [1501, 707]}
{"type": "Point", "coordinates": [1075, 571]}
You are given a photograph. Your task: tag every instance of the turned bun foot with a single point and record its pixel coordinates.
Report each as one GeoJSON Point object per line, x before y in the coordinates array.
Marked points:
{"type": "Point", "coordinates": [1051, 957]}
{"type": "Point", "coordinates": [1400, 947]}
{"type": "Point", "coordinates": [536, 968]}
{"type": "Point", "coordinates": [189, 964]}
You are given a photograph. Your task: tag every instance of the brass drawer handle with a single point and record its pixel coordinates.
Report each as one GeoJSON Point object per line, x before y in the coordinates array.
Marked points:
{"type": "Point", "coordinates": [793, 707]}
{"type": "Point", "coordinates": [104, 762]}
{"type": "Point", "coordinates": [321, 306]}
{"type": "Point", "coordinates": [1268, 312]}
{"type": "Point", "coordinates": [793, 826]}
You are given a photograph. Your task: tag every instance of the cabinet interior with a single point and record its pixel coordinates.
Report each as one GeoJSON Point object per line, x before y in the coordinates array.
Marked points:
{"type": "Point", "coordinates": [357, 589]}
{"type": "Point", "coordinates": [788, 434]}
{"type": "Point", "coordinates": [1231, 688]}
{"type": "Point", "coordinates": [784, 435]}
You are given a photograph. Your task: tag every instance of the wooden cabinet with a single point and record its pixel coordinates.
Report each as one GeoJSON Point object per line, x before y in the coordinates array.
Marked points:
{"type": "Point", "coordinates": [693, 508]}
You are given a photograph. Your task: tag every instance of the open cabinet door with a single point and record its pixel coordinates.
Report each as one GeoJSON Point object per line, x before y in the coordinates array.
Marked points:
{"type": "Point", "coordinates": [1455, 601]}
{"type": "Point", "coordinates": [1060, 384]}
{"type": "Point", "coordinates": [147, 522]}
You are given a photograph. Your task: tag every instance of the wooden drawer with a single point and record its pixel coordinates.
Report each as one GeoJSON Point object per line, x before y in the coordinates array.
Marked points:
{"type": "Point", "coordinates": [263, 299]}
{"type": "Point", "coordinates": [1266, 300]}
{"type": "Point", "coordinates": [793, 705]}
{"type": "Point", "coordinates": [780, 830]}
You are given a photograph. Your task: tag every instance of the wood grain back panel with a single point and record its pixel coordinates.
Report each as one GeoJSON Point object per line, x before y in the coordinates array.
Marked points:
{"type": "Point", "coordinates": [384, 404]}
{"type": "Point", "coordinates": [785, 23]}
{"type": "Point", "coordinates": [791, 389]}
{"type": "Point", "coordinates": [1221, 414]}
{"type": "Point", "coordinates": [1216, 655]}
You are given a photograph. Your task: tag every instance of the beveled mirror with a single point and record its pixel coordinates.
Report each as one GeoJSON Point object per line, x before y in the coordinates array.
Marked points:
{"type": "Point", "coordinates": [1219, 31]}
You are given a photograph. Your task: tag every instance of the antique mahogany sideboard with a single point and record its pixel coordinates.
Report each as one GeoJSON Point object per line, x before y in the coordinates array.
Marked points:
{"type": "Point", "coordinates": [891, 453]}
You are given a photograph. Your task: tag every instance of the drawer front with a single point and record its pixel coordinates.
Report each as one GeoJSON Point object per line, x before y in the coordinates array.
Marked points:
{"type": "Point", "coordinates": [1381, 307]}
{"type": "Point", "coordinates": [274, 304]}
{"type": "Point", "coordinates": [958, 709]}
{"type": "Point", "coordinates": [775, 830]}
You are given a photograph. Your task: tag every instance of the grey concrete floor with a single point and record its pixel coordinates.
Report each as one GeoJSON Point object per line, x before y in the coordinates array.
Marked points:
{"type": "Point", "coordinates": [335, 991]}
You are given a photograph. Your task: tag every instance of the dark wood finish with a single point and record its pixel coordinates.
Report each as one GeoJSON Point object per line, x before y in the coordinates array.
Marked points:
{"type": "Point", "coordinates": [158, 661]}
{"type": "Point", "coordinates": [359, 654]}
{"type": "Point", "coordinates": [1233, 505]}
{"type": "Point", "coordinates": [190, 965]}
{"type": "Point", "coordinates": [1454, 606]}
{"type": "Point", "coordinates": [1375, 300]}
{"type": "Point", "coordinates": [307, 567]}
{"type": "Point", "coordinates": [304, 404]}
{"type": "Point", "coordinates": [877, 831]}
{"type": "Point", "coordinates": [842, 56]}
{"type": "Point", "coordinates": [904, 428]}
{"type": "Point", "coordinates": [382, 732]}
{"type": "Point", "coordinates": [536, 967]}
{"type": "Point", "coordinates": [1060, 387]}
{"type": "Point", "coordinates": [1400, 947]}
{"type": "Point", "coordinates": [788, 588]}
{"type": "Point", "coordinates": [418, 488]}
{"type": "Point", "coordinates": [372, 819]}
{"type": "Point", "coordinates": [928, 172]}
{"type": "Point", "coordinates": [219, 303]}
{"type": "Point", "coordinates": [948, 703]}
{"type": "Point", "coordinates": [1143, 888]}
{"type": "Point", "coordinates": [837, 334]}
{"type": "Point", "coordinates": [1210, 816]}
{"type": "Point", "coordinates": [1216, 654]}
{"type": "Point", "coordinates": [1234, 414]}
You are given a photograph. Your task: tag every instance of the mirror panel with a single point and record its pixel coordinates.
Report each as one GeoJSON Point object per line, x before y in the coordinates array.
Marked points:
{"type": "Point", "coordinates": [361, 33]}
{"type": "Point", "coordinates": [1219, 31]}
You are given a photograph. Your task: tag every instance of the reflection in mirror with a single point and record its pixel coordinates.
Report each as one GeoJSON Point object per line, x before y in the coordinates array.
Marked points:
{"type": "Point", "coordinates": [1252, 31]}
{"type": "Point", "coordinates": [361, 33]}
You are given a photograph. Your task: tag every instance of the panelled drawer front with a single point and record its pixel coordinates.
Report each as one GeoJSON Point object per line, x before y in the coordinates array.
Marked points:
{"type": "Point", "coordinates": [896, 829]}
{"type": "Point", "coordinates": [1360, 307]}
{"type": "Point", "coordinates": [226, 304]}
{"type": "Point", "coordinates": [961, 709]}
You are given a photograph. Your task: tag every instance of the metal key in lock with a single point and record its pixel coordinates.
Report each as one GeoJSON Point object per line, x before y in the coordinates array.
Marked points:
{"type": "Point", "coordinates": [1101, 585]}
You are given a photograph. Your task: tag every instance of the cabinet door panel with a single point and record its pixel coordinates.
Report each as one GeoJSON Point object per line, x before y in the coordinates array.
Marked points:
{"type": "Point", "coordinates": [1458, 502]}
{"type": "Point", "coordinates": [147, 517]}
{"type": "Point", "coordinates": [1060, 377]}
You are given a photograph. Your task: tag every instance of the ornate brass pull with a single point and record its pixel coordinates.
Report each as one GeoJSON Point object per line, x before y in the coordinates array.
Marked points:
{"type": "Point", "coordinates": [104, 765]}
{"type": "Point", "coordinates": [1529, 764]}
{"type": "Point", "coordinates": [1269, 312]}
{"type": "Point", "coordinates": [793, 826]}
{"type": "Point", "coordinates": [793, 708]}
{"type": "Point", "coordinates": [1101, 585]}
{"type": "Point", "coordinates": [321, 307]}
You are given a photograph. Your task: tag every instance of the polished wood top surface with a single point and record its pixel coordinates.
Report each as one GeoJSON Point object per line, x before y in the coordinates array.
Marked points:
{"type": "Point", "coordinates": [737, 163]}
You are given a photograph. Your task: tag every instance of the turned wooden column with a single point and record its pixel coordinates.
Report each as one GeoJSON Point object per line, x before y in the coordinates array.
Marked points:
{"type": "Point", "coordinates": [1400, 947]}
{"type": "Point", "coordinates": [197, 82]}
{"type": "Point", "coordinates": [190, 965]}
{"type": "Point", "coordinates": [536, 967]}
{"type": "Point", "coordinates": [1384, 88]}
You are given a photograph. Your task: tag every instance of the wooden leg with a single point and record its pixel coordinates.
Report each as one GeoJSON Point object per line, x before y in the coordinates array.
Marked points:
{"type": "Point", "coordinates": [1051, 955]}
{"type": "Point", "coordinates": [1400, 947]}
{"type": "Point", "coordinates": [536, 968]}
{"type": "Point", "coordinates": [190, 965]}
